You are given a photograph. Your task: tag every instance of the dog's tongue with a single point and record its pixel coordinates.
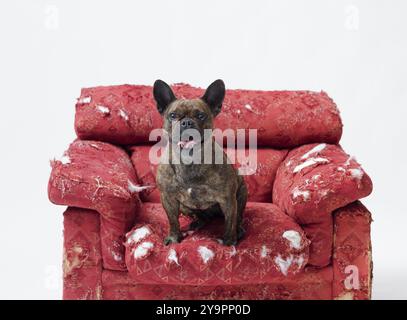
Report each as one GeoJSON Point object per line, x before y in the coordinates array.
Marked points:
{"type": "Point", "coordinates": [186, 144]}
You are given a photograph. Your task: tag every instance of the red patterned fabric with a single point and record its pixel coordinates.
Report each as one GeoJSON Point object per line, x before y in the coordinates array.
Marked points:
{"type": "Point", "coordinates": [273, 246]}
{"type": "Point", "coordinates": [98, 176]}
{"type": "Point", "coordinates": [82, 266]}
{"type": "Point", "coordinates": [126, 114]}
{"type": "Point", "coordinates": [313, 181]}
{"type": "Point", "coordinates": [321, 237]}
{"type": "Point", "coordinates": [352, 263]}
{"type": "Point", "coordinates": [315, 184]}
{"type": "Point", "coordinates": [84, 278]}
{"type": "Point", "coordinates": [312, 284]}
{"type": "Point", "coordinates": [259, 184]}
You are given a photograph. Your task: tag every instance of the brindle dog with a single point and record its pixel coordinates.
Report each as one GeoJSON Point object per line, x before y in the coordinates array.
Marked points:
{"type": "Point", "coordinates": [200, 190]}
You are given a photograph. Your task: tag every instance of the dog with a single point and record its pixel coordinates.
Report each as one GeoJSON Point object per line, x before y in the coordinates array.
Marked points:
{"type": "Point", "coordinates": [199, 190]}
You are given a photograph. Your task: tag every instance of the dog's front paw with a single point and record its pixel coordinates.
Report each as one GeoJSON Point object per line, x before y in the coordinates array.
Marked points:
{"type": "Point", "coordinates": [172, 239]}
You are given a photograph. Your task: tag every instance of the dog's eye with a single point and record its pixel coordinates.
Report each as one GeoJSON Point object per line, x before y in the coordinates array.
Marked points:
{"type": "Point", "coordinates": [172, 116]}
{"type": "Point", "coordinates": [201, 116]}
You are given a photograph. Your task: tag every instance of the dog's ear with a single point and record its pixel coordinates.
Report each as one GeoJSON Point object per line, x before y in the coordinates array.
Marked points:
{"type": "Point", "coordinates": [214, 96]}
{"type": "Point", "coordinates": [163, 95]}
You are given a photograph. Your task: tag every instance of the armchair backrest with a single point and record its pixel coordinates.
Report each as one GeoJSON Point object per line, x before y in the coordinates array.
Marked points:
{"type": "Point", "coordinates": [126, 115]}
{"type": "Point", "coordinates": [259, 176]}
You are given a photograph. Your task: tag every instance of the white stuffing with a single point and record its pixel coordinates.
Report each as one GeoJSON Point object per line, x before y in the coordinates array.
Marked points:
{"type": "Point", "coordinates": [341, 169]}
{"type": "Point", "coordinates": [294, 238]}
{"type": "Point", "coordinates": [135, 187]}
{"type": "Point", "coordinates": [248, 107]}
{"type": "Point", "coordinates": [103, 109]}
{"type": "Point", "coordinates": [94, 145]}
{"type": "Point", "coordinates": [356, 173]}
{"type": "Point", "coordinates": [309, 162]}
{"type": "Point", "coordinates": [124, 115]}
{"type": "Point", "coordinates": [206, 254]}
{"type": "Point", "coordinates": [323, 192]}
{"type": "Point", "coordinates": [142, 250]}
{"type": "Point", "coordinates": [305, 194]}
{"type": "Point", "coordinates": [264, 251]}
{"type": "Point", "coordinates": [189, 190]}
{"type": "Point", "coordinates": [284, 264]}
{"type": "Point", "coordinates": [288, 163]}
{"type": "Point", "coordinates": [232, 252]}
{"type": "Point", "coordinates": [351, 158]}
{"type": "Point", "coordinates": [65, 159]}
{"type": "Point", "coordinates": [316, 177]}
{"type": "Point", "coordinates": [300, 260]}
{"type": "Point", "coordinates": [172, 256]}
{"type": "Point", "coordinates": [138, 234]}
{"type": "Point", "coordinates": [85, 100]}
{"type": "Point", "coordinates": [316, 149]}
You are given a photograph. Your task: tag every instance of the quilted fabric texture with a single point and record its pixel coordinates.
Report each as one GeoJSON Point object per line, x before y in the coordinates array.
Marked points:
{"type": "Point", "coordinates": [311, 242]}
{"type": "Point", "coordinates": [98, 176]}
{"type": "Point", "coordinates": [352, 261]}
{"type": "Point", "coordinates": [313, 181]}
{"type": "Point", "coordinates": [82, 265]}
{"type": "Point", "coordinates": [85, 279]}
{"type": "Point", "coordinates": [259, 178]}
{"type": "Point", "coordinates": [126, 114]}
{"type": "Point", "coordinates": [321, 236]}
{"type": "Point", "coordinates": [310, 284]}
{"type": "Point", "coordinates": [274, 246]}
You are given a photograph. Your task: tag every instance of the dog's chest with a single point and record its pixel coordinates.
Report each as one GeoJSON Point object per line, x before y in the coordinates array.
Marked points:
{"type": "Point", "coordinates": [196, 197]}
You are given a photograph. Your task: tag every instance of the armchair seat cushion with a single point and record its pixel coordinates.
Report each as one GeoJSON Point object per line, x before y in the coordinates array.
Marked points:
{"type": "Point", "coordinates": [274, 246]}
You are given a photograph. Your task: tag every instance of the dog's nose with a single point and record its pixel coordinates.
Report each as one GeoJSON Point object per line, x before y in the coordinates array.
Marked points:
{"type": "Point", "coordinates": [186, 123]}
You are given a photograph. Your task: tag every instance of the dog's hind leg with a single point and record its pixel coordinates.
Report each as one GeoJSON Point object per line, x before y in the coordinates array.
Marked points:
{"type": "Point", "coordinates": [241, 197]}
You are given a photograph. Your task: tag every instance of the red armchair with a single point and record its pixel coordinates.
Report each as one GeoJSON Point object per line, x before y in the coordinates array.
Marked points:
{"type": "Point", "coordinates": [307, 235]}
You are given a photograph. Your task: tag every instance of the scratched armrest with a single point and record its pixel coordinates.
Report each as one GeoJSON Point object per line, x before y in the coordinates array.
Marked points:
{"type": "Point", "coordinates": [98, 176]}
{"type": "Point", "coordinates": [312, 182]}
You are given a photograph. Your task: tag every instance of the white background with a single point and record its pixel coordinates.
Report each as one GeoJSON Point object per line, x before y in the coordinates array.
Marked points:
{"type": "Point", "coordinates": [354, 50]}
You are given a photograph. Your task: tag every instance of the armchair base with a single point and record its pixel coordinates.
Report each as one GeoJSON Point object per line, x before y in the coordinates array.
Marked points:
{"type": "Point", "coordinates": [85, 278]}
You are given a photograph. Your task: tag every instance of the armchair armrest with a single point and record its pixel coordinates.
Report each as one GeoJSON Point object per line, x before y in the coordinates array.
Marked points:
{"type": "Point", "coordinates": [352, 256]}
{"type": "Point", "coordinates": [82, 261]}
{"type": "Point", "coordinates": [312, 182]}
{"type": "Point", "coordinates": [98, 176]}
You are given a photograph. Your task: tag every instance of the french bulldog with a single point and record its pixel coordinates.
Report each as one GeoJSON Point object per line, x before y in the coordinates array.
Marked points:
{"type": "Point", "coordinates": [200, 190]}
